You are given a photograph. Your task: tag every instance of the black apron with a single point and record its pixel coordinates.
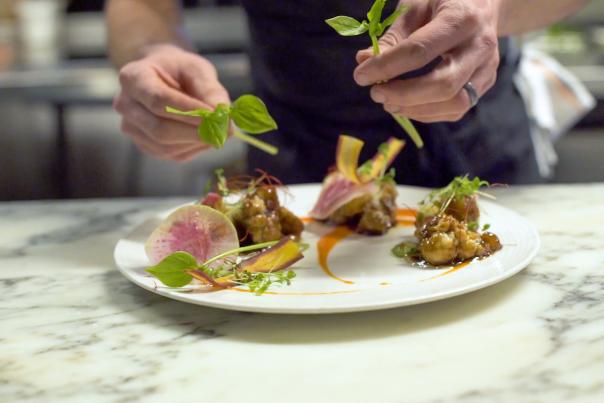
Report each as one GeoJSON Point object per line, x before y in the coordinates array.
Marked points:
{"type": "Point", "coordinates": [303, 70]}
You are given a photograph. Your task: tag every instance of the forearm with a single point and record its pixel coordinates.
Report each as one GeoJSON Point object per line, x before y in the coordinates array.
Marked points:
{"type": "Point", "coordinates": [135, 25]}
{"type": "Point", "coordinates": [520, 16]}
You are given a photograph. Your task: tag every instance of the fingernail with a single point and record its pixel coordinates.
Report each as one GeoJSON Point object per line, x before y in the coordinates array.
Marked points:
{"type": "Point", "coordinates": [392, 108]}
{"type": "Point", "coordinates": [361, 79]}
{"type": "Point", "coordinates": [378, 95]}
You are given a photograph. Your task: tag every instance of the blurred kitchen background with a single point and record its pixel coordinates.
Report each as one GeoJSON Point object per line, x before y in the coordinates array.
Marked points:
{"type": "Point", "coordinates": [59, 137]}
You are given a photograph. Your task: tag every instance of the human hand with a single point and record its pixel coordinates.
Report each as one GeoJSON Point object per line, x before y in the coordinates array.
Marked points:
{"type": "Point", "coordinates": [167, 76]}
{"type": "Point", "coordinates": [462, 32]}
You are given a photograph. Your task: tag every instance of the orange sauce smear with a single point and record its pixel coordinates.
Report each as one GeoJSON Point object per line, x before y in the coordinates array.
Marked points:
{"type": "Point", "coordinates": [405, 217]}
{"type": "Point", "coordinates": [325, 246]}
{"type": "Point", "coordinates": [296, 293]}
{"type": "Point", "coordinates": [406, 212]}
{"type": "Point", "coordinates": [453, 269]}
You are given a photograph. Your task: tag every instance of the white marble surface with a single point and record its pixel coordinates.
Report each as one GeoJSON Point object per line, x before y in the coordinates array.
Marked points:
{"type": "Point", "coordinates": [72, 329]}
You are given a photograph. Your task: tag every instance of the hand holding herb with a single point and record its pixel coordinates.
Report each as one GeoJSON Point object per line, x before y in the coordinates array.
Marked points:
{"type": "Point", "coordinates": [248, 112]}
{"type": "Point", "coordinates": [462, 33]}
{"type": "Point", "coordinates": [348, 26]}
{"type": "Point", "coordinates": [167, 75]}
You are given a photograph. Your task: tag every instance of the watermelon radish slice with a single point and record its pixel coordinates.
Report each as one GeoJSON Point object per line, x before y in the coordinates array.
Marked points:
{"type": "Point", "coordinates": [337, 191]}
{"type": "Point", "coordinates": [199, 230]}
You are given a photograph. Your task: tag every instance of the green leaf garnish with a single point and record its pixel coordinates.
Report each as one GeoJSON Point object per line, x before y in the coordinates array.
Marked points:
{"type": "Point", "coordinates": [486, 227]}
{"type": "Point", "coordinates": [392, 17]}
{"type": "Point", "coordinates": [214, 127]}
{"type": "Point", "coordinates": [375, 12]}
{"type": "Point", "coordinates": [259, 283]}
{"type": "Point", "coordinates": [251, 115]}
{"type": "Point", "coordinates": [347, 26]}
{"type": "Point", "coordinates": [407, 250]}
{"type": "Point", "coordinates": [172, 270]}
{"type": "Point", "coordinates": [248, 112]}
{"type": "Point", "coordinates": [389, 177]}
{"type": "Point", "coordinates": [221, 183]}
{"type": "Point", "coordinates": [459, 187]}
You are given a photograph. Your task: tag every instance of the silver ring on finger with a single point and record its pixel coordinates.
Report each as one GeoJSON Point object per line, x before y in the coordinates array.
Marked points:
{"type": "Point", "coordinates": [472, 93]}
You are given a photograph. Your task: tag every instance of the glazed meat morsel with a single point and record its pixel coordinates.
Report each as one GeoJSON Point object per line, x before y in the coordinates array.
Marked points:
{"type": "Point", "coordinates": [443, 239]}
{"type": "Point", "coordinates": [462, 208]}
{"type": "Point", "coordinates": [258, 215]}
{"type": "Point", "coordinates": [263, 219]}
{"type": "Point", "coordinates": [370, 214]}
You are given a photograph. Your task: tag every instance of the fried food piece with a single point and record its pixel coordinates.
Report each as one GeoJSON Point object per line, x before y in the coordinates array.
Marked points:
{"type": "Point", "coordinates": [444, 239]}
{"type": "Point", "coordinates": [350, 210]}
{"type": "Point", "coordinates": [380, 214]}
{"type": "Point", "coordinates": [290, 223]}
{"type": "Point", "coordinates": [464, 208]}
{"type": "Point", "coordinates": [371, 214]}
{"type": "Point", "coordinates": [263, 219]}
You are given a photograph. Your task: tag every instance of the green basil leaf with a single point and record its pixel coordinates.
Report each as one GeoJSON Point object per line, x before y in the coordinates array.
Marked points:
{"type": "Point", "coordinates": [375, 12]}
{"type": "Point", "coordinates": [392, 17]}
{"type": "Point", "coordinates": [172, 270]}
{"type": "Point", "coordinates": [214, 128]}
{"type": "Point", "coordinates": [251, 115]}
{"type": "Point", "coordinates": [196, 113]}
{"type": "Point", "coordinates": [347, 26]}
{"type": "Point", "coordinates": [405, 250]}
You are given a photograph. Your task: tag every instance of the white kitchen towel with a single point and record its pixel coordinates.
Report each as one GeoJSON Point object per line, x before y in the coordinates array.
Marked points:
{"type": "Point", "coordinates": [555, 100]}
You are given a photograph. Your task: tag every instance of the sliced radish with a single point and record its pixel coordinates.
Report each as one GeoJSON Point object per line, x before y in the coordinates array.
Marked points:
{"type": "Point", "coordinates": [336, 192]}
{"type": "Point", "coordinates": [199, 230]}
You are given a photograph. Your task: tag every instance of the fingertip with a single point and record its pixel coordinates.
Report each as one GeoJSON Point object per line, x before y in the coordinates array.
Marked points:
{"type": "Point", "coordinates": [392, 108]}
{"type": "Point", "coordinates": [377, 94]}
{"type": "Point", "coordinates": [363, 55]}
{"type": "Point", "coordinates": [361, 77]}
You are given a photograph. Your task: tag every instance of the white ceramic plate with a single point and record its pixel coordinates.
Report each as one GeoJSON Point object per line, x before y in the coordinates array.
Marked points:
{"type": "Point", "coordinates": [365, 275]}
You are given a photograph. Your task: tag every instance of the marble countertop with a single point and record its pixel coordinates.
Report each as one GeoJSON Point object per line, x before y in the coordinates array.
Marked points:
{"type": "Point", "coordinates": [73, 329]}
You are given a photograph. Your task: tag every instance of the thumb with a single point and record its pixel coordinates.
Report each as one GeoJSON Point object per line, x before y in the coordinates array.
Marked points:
{"type": "Point", "coordinates": [210, 91]}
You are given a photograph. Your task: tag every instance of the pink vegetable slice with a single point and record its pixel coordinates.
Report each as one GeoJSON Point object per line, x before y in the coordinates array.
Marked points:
{"type": "Point", "coordinates": [199, 230]}
{"type": "Point", "coordinates": [336, 192]}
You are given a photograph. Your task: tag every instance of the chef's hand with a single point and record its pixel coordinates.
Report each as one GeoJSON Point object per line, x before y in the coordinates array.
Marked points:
{"type": "Point", "coordinates": [462, 32]}
{"type": "Point", "coordinates": [167, 76]}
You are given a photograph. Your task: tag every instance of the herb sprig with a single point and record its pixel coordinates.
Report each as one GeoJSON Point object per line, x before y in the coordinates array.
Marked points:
{"type": "Point", "coordinates": [439, 200]}
{"type": "Point", "coordinates": [348, 26]}
{"type": "Point", "coordinates": [406, 250]}
{"type": "Point", "coordinates": [249, 114]}
{"type": "Point", "coordinates": [180, 268]}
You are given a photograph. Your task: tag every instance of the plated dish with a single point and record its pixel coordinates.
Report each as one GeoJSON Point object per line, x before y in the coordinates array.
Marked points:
{"type": "Point", "coordinates": [357, 242]}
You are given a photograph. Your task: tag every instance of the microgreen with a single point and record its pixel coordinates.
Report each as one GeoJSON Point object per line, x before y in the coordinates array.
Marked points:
{"type": "Point", "coordinates": [389, 177]}
{"type": "Point", "coordinates": [375, 27]}
{"type": "Point", "coordinates": [258, 283]}
{"type": "Point", "coordinates": [175, 269]}
{"type": "Point", "coordinates": [249, 114]}
{"type": "Point", "coordinates": [407, 250]}
{"type": "Point", "coordinates": [221, 183]}
{"type": "Point", "coordinates": [460, 187]}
